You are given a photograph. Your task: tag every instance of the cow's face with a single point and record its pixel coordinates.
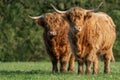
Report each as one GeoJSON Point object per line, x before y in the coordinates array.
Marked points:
{"type": "Point", "coordinates": [76, 18]}
{"type": "Point", "coordinates": [49, 25]}
{"type": "Point", "coordinates": [53, 23]}
{"type": "Point", "coordinates": [49, 28]}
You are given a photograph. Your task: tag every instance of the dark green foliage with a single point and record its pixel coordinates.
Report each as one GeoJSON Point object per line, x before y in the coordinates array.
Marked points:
{"type": "Point", "coordinates": [21, 38]}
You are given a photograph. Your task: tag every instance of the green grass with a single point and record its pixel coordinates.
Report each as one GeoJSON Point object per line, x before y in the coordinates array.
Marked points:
{"type": "Point", "coordinates": [42, 71]}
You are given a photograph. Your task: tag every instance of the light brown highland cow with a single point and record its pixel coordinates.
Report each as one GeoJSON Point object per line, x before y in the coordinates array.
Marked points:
{"type": "Point", "coordinates": [56, 40]}
{"type": "Point", "coordinates": [91, 34]}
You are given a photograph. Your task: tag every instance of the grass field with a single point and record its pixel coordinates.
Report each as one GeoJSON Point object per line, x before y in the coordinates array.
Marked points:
{"type": "Point", "coordinates": [42, 71]}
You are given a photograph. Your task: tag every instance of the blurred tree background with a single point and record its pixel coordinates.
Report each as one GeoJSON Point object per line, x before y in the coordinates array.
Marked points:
{"type": "Point", "coordinates": [21, 38]}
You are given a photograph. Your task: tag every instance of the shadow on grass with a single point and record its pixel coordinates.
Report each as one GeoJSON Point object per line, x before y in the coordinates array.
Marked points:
{"type": "Point", "coordinates": [42, 72]}
{"type": "Point", "coordinates": [18, 72]}
{"type": "Point", "coordinates": [24, 72]}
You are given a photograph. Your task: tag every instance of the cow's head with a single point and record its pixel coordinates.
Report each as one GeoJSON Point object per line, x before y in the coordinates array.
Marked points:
{"type": "Point", "coordinates": [51, 22]}
{"type": "Point", "coordinates": [77, 16]}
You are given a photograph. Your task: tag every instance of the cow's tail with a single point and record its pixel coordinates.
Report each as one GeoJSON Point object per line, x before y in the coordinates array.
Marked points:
{"type": "Point", "coordinates": [112, 58]}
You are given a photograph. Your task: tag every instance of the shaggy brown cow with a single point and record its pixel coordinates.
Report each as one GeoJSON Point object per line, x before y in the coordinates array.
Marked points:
{"type": "Point", "coordinates": [56, 40]}
{"type": "Point", "coordinates": [91, 34]}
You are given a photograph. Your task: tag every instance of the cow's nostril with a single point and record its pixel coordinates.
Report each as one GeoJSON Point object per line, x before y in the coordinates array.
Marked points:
{"type": "Point", "coordinates": [74, 28]}
{"type": "Point", "coordinates": [51, 33]}
{"type": "Point", "coordinates": [79, 29]}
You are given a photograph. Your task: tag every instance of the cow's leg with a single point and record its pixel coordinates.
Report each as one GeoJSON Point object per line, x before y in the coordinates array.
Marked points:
{"type": "Point", "coordinates": [95, 65]}
{"type": "Point", "coordinates": [88, 66]}
{"type": "Point", "coordinates": [107, 58]}
{"type": "Point", "coordinates": [54, 64]}
{"type": "Point", "coordinates": [63, 62]}
{"type": "Point", "coordinates": [71, 63]}
{"type": "Point", "coordinates": [63, 66]}
{"type": "Point", "coordinates": [90, 58]}
{"type": "Point", "coordinates": [80, 66]}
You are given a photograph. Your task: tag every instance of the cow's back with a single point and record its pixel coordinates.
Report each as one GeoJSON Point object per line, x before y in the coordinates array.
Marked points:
{"type": "Point", "coordinates": [101, 31]}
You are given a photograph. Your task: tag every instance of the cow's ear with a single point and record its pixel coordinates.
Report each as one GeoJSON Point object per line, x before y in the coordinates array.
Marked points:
{"type": "Point", "coordinates": [88, 15]}
{"type": "Point", "coordinates": [40, 21]}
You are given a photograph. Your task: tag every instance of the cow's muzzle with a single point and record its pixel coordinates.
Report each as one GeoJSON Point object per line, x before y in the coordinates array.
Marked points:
{"type": "Point", "coordinates": [77, 28]}
{"type": "Point", "coordinates": [52, 33]}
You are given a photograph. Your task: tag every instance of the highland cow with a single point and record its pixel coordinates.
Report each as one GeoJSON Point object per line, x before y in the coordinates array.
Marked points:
{"type": "Point", "coordinates": [90, 34]}
{"type": "Point", "coordinates": [56, 40]}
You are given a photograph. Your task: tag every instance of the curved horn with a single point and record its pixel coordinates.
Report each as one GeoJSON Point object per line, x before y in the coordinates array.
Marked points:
{"type": "Point", "coordinates": [95, 9]}
{"type": "Point", "coordinates": [57, 9]}
{"type": "Point", "coordinates": [36, 17]}
{"type": "Point", "coordinates": [99, 6]}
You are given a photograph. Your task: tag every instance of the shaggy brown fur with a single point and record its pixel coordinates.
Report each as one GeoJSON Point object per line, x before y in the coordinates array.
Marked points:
{"type": "Point", "coordinates": [91, 34]}
{"type": "Point", "coordinates": [56, 40]}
